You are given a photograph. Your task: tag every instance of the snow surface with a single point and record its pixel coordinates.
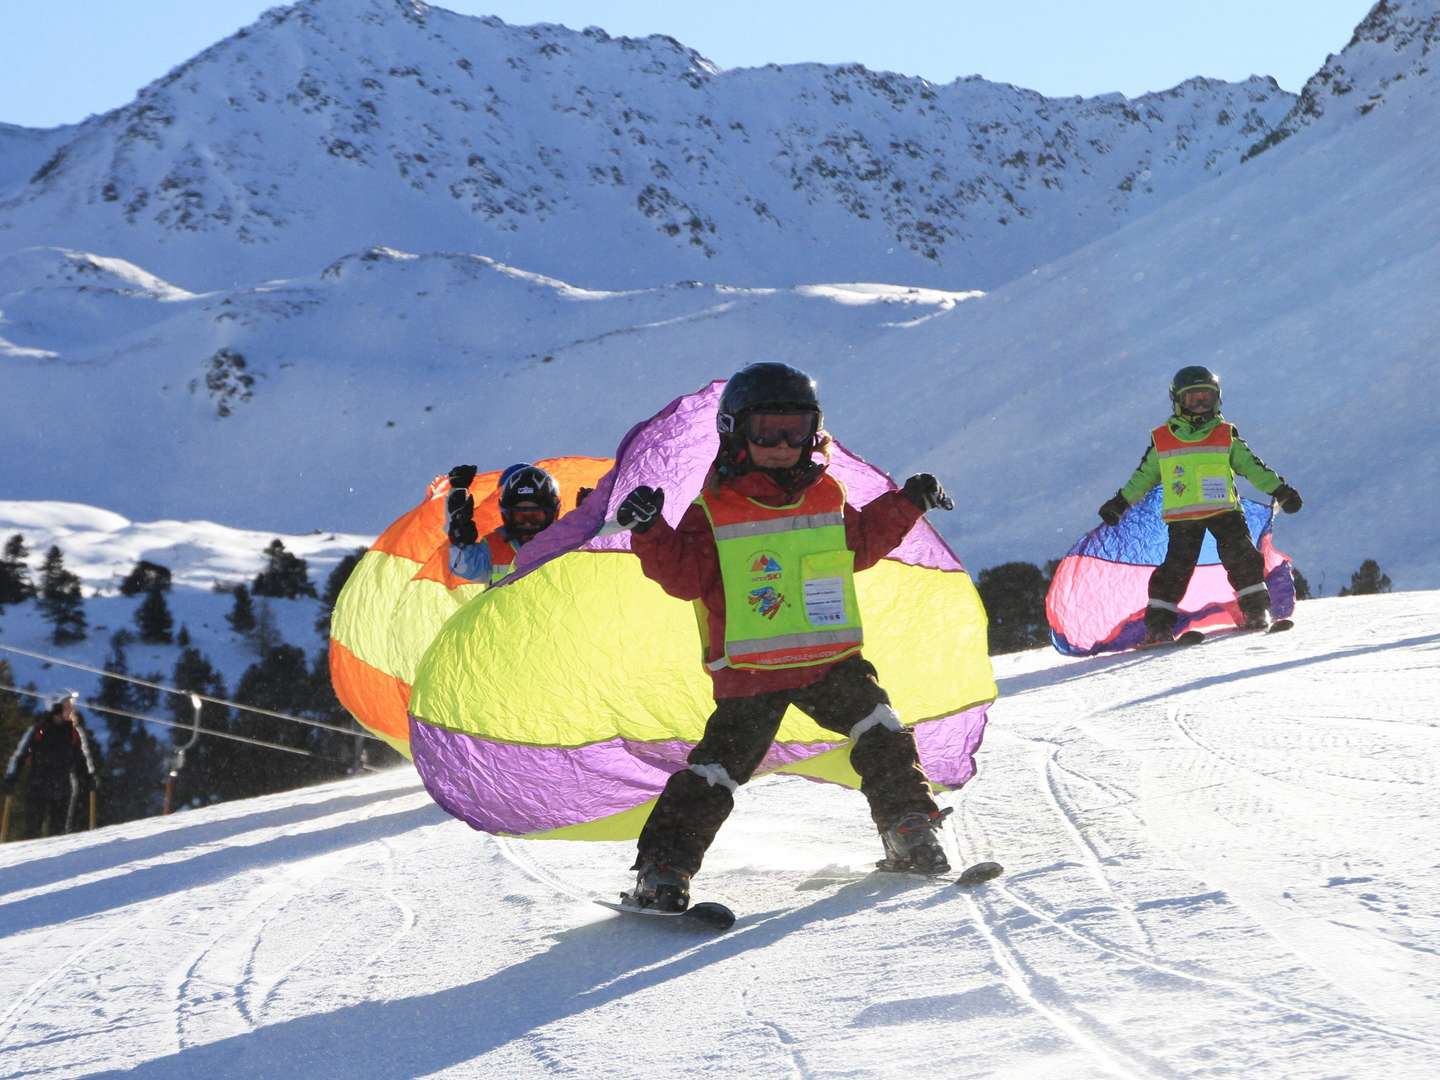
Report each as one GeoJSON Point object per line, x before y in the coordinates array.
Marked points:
{"type": "Point", "coordinates": [1221, 862]}
{"type": "Point", "coordinates": [1026, 374]}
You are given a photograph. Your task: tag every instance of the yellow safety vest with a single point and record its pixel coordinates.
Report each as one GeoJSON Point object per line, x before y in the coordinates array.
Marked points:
{"type": "Point", "coordinates": [1195, 476]}
{"type": "Point", "coordinates": [788, 578]}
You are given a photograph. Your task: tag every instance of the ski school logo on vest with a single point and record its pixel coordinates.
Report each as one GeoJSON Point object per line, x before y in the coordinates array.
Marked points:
{"type": "Point", "coordinates": [1178, 484]}
{"type": "Point", "coordinates": [765, 574]}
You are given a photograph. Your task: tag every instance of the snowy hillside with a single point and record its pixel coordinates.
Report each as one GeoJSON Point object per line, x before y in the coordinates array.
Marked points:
{"type": "Point", "coordinates": [318, 382]}
{"type": "Point", "coordinates": [335, 125]}
{"type": "Point", "coordinates": [1221, 863]}
{"type": "Point", "coordinates": [100, 548]}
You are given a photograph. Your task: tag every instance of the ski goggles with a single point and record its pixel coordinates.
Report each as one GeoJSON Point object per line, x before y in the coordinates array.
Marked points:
{"type": "Point", "coordinates": [770, 429]}
{"type": "Point", "coordinates": [1199, 399]}
{"type": "Point", "coordinates": [528, 515]}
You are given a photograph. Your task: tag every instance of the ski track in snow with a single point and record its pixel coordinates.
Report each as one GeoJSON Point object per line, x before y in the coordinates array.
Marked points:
{"type": "Point", "coordinates": [1220, 863]}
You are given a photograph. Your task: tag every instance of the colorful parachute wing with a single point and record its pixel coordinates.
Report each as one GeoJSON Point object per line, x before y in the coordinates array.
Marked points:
{"type": "Point", "coordinates": [402, 592]}
{"type": "Point", "coordinates": [558, 703]}
{"type": "Point", "coordinates": [1097, 597]}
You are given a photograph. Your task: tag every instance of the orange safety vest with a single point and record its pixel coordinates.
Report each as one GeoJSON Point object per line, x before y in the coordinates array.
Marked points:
{"type": "Point", "coordinates": [502, 557]}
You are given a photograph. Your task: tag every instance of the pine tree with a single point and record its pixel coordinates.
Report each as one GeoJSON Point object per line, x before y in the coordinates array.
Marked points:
{"type": "Point", "coordinates": [60, 600]}
{"type": "Point", "coordinates": [333, 584]}
{"type": "Point", "coordinates": [1302, 584]}
{"type": "Point", "coordinates": [242, 614]}
{"type": "Point", "coordinates": [200, 782]}
{"type": "Point", "coordinates": [15, 584]}
{"type": "Point", "coordinates": [15, 718]}
{"type": "Point", "coordinates": [133, 771]}
{"type": "Point", "coordinates": [117, 693]}
{"type": "Point", "coordinates": [154, 619]}
{"type": "Point", "coordinates": [145, 577]}
{"type": "Point", "coordinates": [1014, 598]}
{"type": "Point", "coordinates": [265, 636]}
{"type": "Point", "coordinates": [1367, 581]}
{"type": "Point", "coordinates": [280, 682]}
{"type": "Point", "coordinates": [285, 576]}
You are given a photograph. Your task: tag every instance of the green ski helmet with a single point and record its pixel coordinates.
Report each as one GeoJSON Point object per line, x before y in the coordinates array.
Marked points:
{"type": "Point", "coordinates": [1194, 377]}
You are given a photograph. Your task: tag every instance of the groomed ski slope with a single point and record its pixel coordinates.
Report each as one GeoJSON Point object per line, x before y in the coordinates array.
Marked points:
{"type": "Point", "coordinates": [1222, 862]}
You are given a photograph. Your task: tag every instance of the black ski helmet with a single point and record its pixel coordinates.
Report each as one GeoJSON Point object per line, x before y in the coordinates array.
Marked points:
{"type": "Point", "coordinates": [528, 483]}
{"type": "Point", "coordinates": [766, 385]}
{"type": "Point", "coordinates": [1194, 377]}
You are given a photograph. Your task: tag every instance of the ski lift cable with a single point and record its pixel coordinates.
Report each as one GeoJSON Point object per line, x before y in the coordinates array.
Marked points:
{"type": "Point", "coordinates": [356, 731]}
{"type": "Point", "coordinates": [249, 740]}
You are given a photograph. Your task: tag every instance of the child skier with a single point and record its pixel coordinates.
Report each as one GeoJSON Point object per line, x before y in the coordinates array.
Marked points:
{"type": "Point", "coordinates": [529, 502]}
{"type": "Point", "coordinates": [1195, 455]}
{"type": "Point", "coordinates": [769, 550]}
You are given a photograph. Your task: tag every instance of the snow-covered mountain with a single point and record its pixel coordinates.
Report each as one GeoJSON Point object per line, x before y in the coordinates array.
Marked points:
{"type": "Point", "coordinates": [335, 125]}
{"type": "Point", "coordinates": [1392, 44]}
{"type": "Point", "coordinates": [325, 398]}
{"type": "Point", "coordinates": [1224, 871]}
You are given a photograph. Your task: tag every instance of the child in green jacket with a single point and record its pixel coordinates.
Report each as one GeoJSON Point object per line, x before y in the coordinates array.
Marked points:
{"type": "Point", "coordinates": [1195, 456]}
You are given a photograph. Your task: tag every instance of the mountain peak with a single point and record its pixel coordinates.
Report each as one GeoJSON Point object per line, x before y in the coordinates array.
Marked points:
{"type": "Point", "coordinates": [1389, 54]}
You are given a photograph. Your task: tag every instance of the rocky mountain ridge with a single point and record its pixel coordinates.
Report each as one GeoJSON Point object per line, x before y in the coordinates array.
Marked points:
{"type": "Point", "coordinates": [337, 124]}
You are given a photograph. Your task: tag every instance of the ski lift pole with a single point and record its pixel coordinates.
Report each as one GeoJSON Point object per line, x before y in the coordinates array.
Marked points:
{"type": "Point", "coordinates": [177, 760]}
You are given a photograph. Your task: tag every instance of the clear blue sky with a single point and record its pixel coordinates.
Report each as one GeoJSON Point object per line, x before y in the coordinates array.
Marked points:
{"type": "Point", "coordinates": [61, 60]}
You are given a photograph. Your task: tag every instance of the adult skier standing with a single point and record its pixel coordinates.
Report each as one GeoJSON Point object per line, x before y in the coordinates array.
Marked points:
{"type": "Point", "coordinates": [769, 550]}
{"type": "Point", "coordinates": [61, 757]}
{"type": "Point", "coordinates": [1195, 455]}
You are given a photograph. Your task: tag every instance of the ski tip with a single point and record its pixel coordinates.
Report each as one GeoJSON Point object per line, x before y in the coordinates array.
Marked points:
{"type": "Point", "coordinates": [979, 873]}
{"type": "Point", "coordinates": [711, 914]}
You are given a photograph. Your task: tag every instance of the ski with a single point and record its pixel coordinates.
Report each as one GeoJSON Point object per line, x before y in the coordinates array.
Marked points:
{"type": "Point", "coordinates": [1195, 637]}
{"type": "Point", "coordinates": [707, 914]}
{"type": "Point", "coordinates": [977, 874]}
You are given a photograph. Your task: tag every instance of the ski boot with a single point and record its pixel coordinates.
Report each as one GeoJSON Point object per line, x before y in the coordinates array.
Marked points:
{"type": "Point", "coordinates": [1156, 636]}
{"type": "Point", "coordinates": [659, 885]}
{"type": "Point", "coordinates": [1257, 615]}
{"type": "Point", "coordinates": [911, 845]}
{"type": "Point", "coordinates": [1159, 628]}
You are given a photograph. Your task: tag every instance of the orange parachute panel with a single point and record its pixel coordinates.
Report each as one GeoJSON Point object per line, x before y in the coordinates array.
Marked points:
{"type": "Point", "coordinates": [402, 591]}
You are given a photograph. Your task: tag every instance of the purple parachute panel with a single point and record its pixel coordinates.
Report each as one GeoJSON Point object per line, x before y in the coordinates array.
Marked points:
{"type": "Point", "coordinates": [1097, 598]}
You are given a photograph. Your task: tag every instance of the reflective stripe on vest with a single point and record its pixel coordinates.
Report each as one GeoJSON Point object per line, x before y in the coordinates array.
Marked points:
{"type": "Point", "coordinates": [502, 557]}
{"type": "Point", "coordinates": [788, 578]}
{"type": "Point", "coordinates": [1195, 477]}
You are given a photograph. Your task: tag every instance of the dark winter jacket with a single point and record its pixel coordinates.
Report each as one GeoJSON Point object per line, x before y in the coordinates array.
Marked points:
{"type": "Point", "coordinates": [685, 563]}
{"type": "Point", "coordinates": [60, 755]}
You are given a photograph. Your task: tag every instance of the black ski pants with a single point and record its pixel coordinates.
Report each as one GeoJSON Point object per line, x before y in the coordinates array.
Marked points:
{"type": "Point", "coordinates": [50, 815]}
{"type": "Point", "coordinates": [693, 806]}
{"type": "Point", "coordinates": [1243, 564]}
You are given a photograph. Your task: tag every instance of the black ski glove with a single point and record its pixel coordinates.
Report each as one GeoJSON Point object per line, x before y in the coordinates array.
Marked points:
{"type": "Point", "coordinates": [460, 517]}
{"type": "Point", "coordinates": [1114, 509]}
{"type": "Point", "coordinates": [1288, 498]}
{"type": "Point", "coordinates": [925, 492]}
{"type": "Point", "coordinates": [640, 508]}
{"type": "Point", "coordinates": [462, 476]}
{"type": "Point", "coordinates": [581, 494]}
